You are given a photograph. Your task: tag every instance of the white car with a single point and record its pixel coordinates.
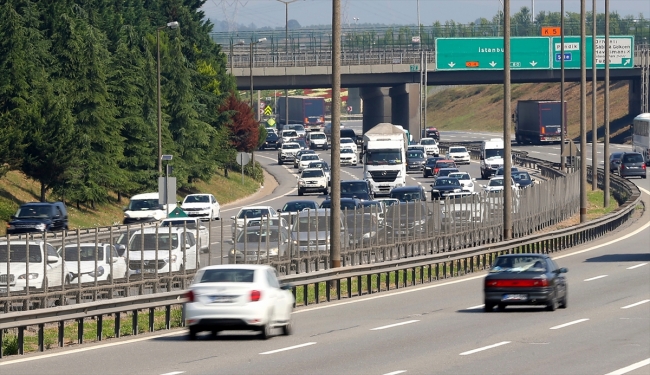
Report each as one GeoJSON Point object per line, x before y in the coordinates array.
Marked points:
{"type": "Point", "coordinates": [287, 153]}
{"type": "Point", "coordinates": [144, 208]}
{"type": "Point", "coordinates": [325, 167]}
{"type": "Point", "coordinates": [202, 205]}
{"type": "Point", "coordinates": [348, 143]}
{"type": "Point", "coordinates": [458, 154]}
{"type": "Point", "coordinates": [300, 129]}
{"type": "Point", "coordinates": [286, 135]}
{"type": "Point", "coordinates": [110, 265]}
{"type": "Point", "coordinates": [45, 266]}
{"type": "Point", "coordinates": [238, 297]}
{"type": "Point", "coordinates": [312, 180]}
{"type": "Point", "coordinates": [430, 146]}
{"type": "Point", "coordinates": [466, 181]}
{"type": "Point", "coordinates": [176, 250]}
{"type": "Point", "coordinates": [191, 224]}
{"type": "Point", "coordinates": [496, 184]}
{"type": "Point", "coordinates": [348, 156]}
{"type": "Point", "coordinates": [305, 160]}
{"type": "Point", "coordinates": [251, 212]}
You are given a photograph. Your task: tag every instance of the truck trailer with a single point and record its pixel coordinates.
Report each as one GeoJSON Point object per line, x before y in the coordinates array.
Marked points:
{"type": "Point", "coordinates": [384, 158]}
{"type": "Point", "coordinates": [538, 121]}
{"type": "Point", "coordinates": [304, 110]}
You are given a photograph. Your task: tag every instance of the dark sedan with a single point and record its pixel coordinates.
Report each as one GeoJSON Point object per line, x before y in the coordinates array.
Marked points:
{"type": "Point", "coordinates": [359, 189]}
{"type": "Point", "coordinates": [429, 165]}
{"type": "Point", "coordinates": [444, 172]}
{"type": "Point", "coordinates": [615, 161]}
{"type": "Point", "coordinates": [522, 178]}
{"type": "Point", "coordinates": [525, 279]}
{"type": "Point", "coordinates": [272, 141]}
{"type": "Point", "coordinates": [632, 164]}
{"type": "Point", "coordinates": [346, 204]}
{"type": "Point", "coordinates": [415, 160]}
{"type": "Point", "coordinates": [408, 194]}
{"type": "Point", "coordinates": [444, 186]}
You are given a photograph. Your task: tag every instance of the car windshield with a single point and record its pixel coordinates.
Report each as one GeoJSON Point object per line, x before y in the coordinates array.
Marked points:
{"type": "Point", "coordinates": [313, 173]}
{"type": "Point", "coordinates": [265, 223]}
{"type": "Point", "coordinates": [317, 136]}
{"type": "Point", "coordinates": [496, 182]}
{"type": "Point", "coordinates": [259, 235]}
{"type": "Point", "coordinates": [322, 166]}
{"type": "Point", "coordinates": [389, 202]}
{"type": "Point", "coordinates": [445, 172]}
{"type": "Point", "coordinates": [309, 157]}
{"type": "Point", "coordinates": [345, 204]}
{"type": "Point", "coordinates": [406, 196]}
{"type": "Point", "coordinates": [428, 142]}
{"type": "Point", "coordinates": [415, 155]}
{"type": "Point", "coordinates": [19, 254]}
{"type": "Point", "coordinates": [33, 211]}
{"type": "Point", "coordinates": [521, 176]}
{"type": "Point", "coordinates": [346, 140]}
{"type": "Point", "coordinates": [354, 187]}
{"type": "Point", "coordinates": [229, 275]}
{"type": "Point", "coordinates": [632, 158]}
{"type": "Point", "coordinates": [83, 254]}
{"type": "Point", "coordinates": [416, 148]}
{"type": "Point", "coordinates": [312, 224]}
{"type": "Point", "coordinates": [298, 128]}
{"type": "Point", "coordinates": [197, 199]}
{"type": "Point", "coordinates": [290, 146]}
{"type": "Point", "coordinates": [519, 264]}
{"type": "Point", "coordinates": [371, 203]}
{"type": "Point", "coordinates": [289, 133]}
{"type": "Point", "coordinates": [616, 155]}
{"type": "Point", "coordinates": [253, 212]}
{"type": "Point", "coordinates": [143, 204]}
{"type": "Point", "coordinates": [148, 241]}
{"type": "Point", "coordinates": [447, 182]}
{"type": "Point", "coordinates": [189, 224]}
{"type": "Point", "coordinates": [300, 142]}
{"type": "Point", "coordinates": [494, 153]}
{"type": "Point", "coordinates": [445, 164]}
{"type": "Point", "coordinates": [347, 151]}
{"type": "Point", "coordinates": [298, 206]}
{"type": "Point", "coordinates": [356, 222]}
{"type": "Point", "coordinates": [387, 156]}
{"type": "Point", "coordinates": [460, 176]}
{"type": "Point", "coordinates": [457, 150]}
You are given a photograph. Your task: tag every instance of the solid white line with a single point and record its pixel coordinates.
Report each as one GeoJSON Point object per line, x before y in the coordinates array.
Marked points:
{"type": "Point", "coordinates": [631, 367]}
{"type": "Point", "coordinates": [475, 307]}
{"type": "Point", "coordinates": [94, 347]}
{"type": "Point", "coordinates": [394, 325]}
{"type": "Point", "coordinates": [595, 278]}
{"type": "Point", "coordinates": [637, 266]}
{"type": "Point", "coordinates": [173, 373]}
{"type": "Point", "coordinates": [569, 324]}
{"type": "Point", "coordinates": [396, 372]}
{"type": "Point", "coordinates": [289, 348]}
{"type": "Point", "coordinates": [485, 348]}
{"type": "Point", "coordinates": [636, 304]}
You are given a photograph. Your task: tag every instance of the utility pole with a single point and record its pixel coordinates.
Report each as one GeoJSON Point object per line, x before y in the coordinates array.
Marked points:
{"type": "Point", "coordinates": [335, 243]}
{"type": "Point", "coordinates": [606, 116]}
{"type": "Point", "coordinates": [583, 112]}
{"type": "Point", "coordinates": [507, 149]}
{"type": "Point", "coordinates": [564, 126]}
{"type": "Point", "coordinates": [594, 112]}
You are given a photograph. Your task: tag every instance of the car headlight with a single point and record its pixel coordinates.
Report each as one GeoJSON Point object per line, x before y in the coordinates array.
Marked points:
{"type": "Point", "coordinates": [368, 175]}
{"type": "Point", "coordinates": [273, 251]}
{"type": "Point", "coordinates": [40, 227]}
{"type": "Point", "coordinates": [28, 276]}
{"type": "Point", "coordinates": [301, 182]}
{"type": "Point", "coordinates": [173, 259]}
{"type": "Point", "coordinates": [435, 190]}
{"type": "Point", "coordinates": [97, 273]}
{"type": "Point", "coordinates": [9, 226]}
{"type": "Point", "coordinates": [457, 190]}
{"type": "Point", "coordinates": [368, 235]}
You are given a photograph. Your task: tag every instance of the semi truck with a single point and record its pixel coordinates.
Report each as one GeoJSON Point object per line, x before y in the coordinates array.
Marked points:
{"type": "Point", "coordinates": [304, 110]}
{"type": "Point", "coordinates": [384, 158]}
{"type": "Point", "coordinates": [538, 121]}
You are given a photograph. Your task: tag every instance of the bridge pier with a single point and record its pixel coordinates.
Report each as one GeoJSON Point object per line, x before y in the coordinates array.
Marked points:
{"type": "Point", "coordinates": [376, 106]}
{"type": "Point", "coordinates": [397, 105]}
{"type": "Point", "coordinates": [634, 96]}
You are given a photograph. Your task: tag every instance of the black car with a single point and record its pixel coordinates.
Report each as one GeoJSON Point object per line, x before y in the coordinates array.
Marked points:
{"type": "Point", "coordinates": [525, 279]}
{"type": "Point", "coordinates": [432, 133]}
{"type": "Point", "coordinates": [444, 186]}
{"type": "Point", "coordinates": [444, 172]}
{"type": "Point", "coordinates": [415, 160]}
{"type": "Point", "coordinates": [407, 219]}
{"type": "Point", "coordinates": [409, 194]}
{"type": "Point", "coordinates": [429, 165]}
{"type": "Point", "coordinates": [615, 161]}
{"type": "Point", "coordinates": [522, 178]}
{"type": "Point", "coordinates": [39, 217]}
{"type": "Point", "coordinates": [364, 229]}
{"type": "Point", "coordinates": [290, 209]}
{"type": "Point", "coordinates": [359, 189]}
{"type": "Point", "coordinates": [271, 141]}
{"type": "Point", "coordinates": [632, 164]}
{"type": "Point", "coordinates": [500, 171]}
{"type": "Point", "coordinates": [346, 204]}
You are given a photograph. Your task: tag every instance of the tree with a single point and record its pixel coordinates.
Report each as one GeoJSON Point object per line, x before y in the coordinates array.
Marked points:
{"type": "Point", "coordinates": [244, 132]}
{"type": "Point", "coordinates": [263, 133]}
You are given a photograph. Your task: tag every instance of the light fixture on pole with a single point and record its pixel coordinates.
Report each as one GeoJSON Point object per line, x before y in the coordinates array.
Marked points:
{"type": "Point", "coordinates": [171, 25]}
{"type": "Point", "coordinates": [250, 68]}
{"type": "Point", "coordinates": [166, 158]}
{"type": "Point", "coordinates": [286, 47]}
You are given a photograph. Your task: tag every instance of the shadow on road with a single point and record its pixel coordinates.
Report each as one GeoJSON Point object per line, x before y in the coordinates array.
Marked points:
{"type": "Point", "coordinates": [206, 336]}
{"type": "Point", "coordinates": [641, 257]}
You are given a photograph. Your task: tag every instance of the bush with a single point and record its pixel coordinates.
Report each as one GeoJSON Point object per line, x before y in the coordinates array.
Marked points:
{"type": "Point", "coordinates": [10, 345]}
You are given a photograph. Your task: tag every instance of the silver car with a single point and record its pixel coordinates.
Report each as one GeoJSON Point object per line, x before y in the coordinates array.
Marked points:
{"type": "Point", "coordinates": [259, 243]}
{"type": "Point", "coordinates": [311, 231]}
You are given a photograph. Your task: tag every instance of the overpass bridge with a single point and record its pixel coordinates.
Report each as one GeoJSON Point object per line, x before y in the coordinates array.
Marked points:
{"type": "Point", "coordinates": [388, 76]}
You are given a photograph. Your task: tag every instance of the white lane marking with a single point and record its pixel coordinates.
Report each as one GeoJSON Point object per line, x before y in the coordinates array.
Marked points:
{"type": "Point", "coordinates": [395, 372]}
{"type": "Point", "coordinates": [394, 325]}
{"type": "Point", "coordinates": [569, 324]}
{"type": "Point", "coordinates": [475, 307]}
{"type": "Point", "coordinates": [288, 348]}
{"type": "Point", "coordinates": [173, 373]}
{"type": "Point", "coordinates": [94, 347]}
{"type": "Point", "coordinates": [595, 278]}
{"type": "Point", "coordinates": [631, 367]}
{"type": "Point", "coordinates": [636, 304]}
{"type": "Point", "coordinates": [637, 266]}
{"type": "Point", "coordinates": [485, 348]}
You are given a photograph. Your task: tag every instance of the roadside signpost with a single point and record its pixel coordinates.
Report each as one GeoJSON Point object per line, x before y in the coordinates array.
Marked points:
{"type": "Point", "coordinates": [487, 53]}
{"type": "Point", "coordinates": [621, 52]}
{"type": "Point", "coordinates": [243, 158]}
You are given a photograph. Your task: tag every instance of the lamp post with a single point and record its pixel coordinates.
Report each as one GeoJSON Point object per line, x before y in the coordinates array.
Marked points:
{"type": "Point", "coordinates": [286, 47]}
{"type": "Point", "coordinates": [166, 158]}
{"type": "Point", "coordinates": [171, 25]}
{"type": "Point", "coordinates": [250, 68]}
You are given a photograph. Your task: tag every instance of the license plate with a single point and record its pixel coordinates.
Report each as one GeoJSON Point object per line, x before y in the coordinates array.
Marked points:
{"type": "Point", "coordinates": [514, 297]}
{"type": "Point", "coordinates": [3, 290]}
{"type": "Point", "coordinates": [221, 299]}
{"type": "Point", "coordinates": [146, 270]}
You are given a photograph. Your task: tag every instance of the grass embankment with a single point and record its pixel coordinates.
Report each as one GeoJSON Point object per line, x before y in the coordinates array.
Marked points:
{"type": "Point", "coordinates": [480, 107]}
{"type": "Point", "coordinates": [16, 188]}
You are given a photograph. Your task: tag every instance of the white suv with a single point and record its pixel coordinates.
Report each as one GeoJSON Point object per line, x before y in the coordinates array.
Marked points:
{"type": "Point", "coordinates": [45, 266]}
{"type": "Point", "coordinates": [143, 245]}
{"type": "Point", "coordinates": [430, 146]}
{"type": "Point", "coordinates": [288, 152]}
{"type": "Point", "coordinates": [317, 140]}
{"type": "Point", "coordinates": [306, 159]}
{"type": "Point", "coordinates": [458, 154]}
{"type": "Point", "coordinates": [312, 180]}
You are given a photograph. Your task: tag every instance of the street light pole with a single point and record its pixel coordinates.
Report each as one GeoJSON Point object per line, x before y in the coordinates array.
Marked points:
{"type": "Point", "coordinates": [250, 70]}
{"type": "Point", "coordinates": [594, 113]}
{"type": "Point", "coordinates": [286, 47]}
{"type": "Point", "coordinates": [171, 25]}
{"type": "Point", "coordinates": [335, 217]}
{"type": "Point", "coordinates": [507, 152]}
{"type": "Point", "coordinates": [562, 105]}
{"type": "Point", "coordinates": [583, 112]}
{"type": "Point", "coordinates": [606, 170]}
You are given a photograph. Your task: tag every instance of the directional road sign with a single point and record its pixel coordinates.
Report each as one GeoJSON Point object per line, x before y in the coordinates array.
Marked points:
{"type": "Point", "coordinates": [621, 52]}
{"type": "Point", "coordinates": [487, 53]}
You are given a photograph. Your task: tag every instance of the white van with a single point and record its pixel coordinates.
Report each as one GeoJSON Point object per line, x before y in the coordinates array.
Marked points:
{"type": "Point", "coordinates": [317, 140]}
{"type": "Point", "coordinates": [145, 208]}
{"type": "Point", "coordinates": [176, 250]}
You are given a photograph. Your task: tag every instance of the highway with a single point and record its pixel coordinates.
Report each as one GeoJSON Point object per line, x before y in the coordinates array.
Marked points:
{"type": "Point", "coordinates": [435, 328]}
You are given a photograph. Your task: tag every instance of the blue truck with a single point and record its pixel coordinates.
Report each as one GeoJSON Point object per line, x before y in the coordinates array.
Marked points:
{"type": "Point", "coordinates": [304, 110]}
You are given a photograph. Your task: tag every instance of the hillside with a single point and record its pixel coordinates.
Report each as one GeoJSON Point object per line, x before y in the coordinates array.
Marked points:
{"type": "Point", "coordinates": [480, 107]}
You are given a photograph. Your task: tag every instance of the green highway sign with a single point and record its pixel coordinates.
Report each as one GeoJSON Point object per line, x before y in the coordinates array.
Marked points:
{"type": "Point", "coordinates": [487, 53]}
{"type": "Point", "coordinates": [414, 68]}
{"type": "Point", "coordinates": [621, 52]}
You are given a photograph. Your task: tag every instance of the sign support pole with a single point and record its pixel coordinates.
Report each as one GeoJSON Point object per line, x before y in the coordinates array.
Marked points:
{"type": "Point", "coordinates": [564, 126]}
{"type": "Point", "coordinates": [606, 119]}
{"type": "Point", "coordinates": [583, 112]}
{"type": "Point", "coordinates": [594, 112]}
{"type": "Point", "coordinates": [507, 158]}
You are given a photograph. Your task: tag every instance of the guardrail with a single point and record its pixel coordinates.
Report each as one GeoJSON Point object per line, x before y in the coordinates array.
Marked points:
{"type": "Point", "coordinates": [347, 282]}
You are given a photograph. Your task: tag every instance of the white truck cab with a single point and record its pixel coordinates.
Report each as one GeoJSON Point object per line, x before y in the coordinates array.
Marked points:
{"type": "Point", "coordinates": [384, 154]}
{"type": "Point", "coordinates": [491, 156]}
{"type": "Point", "coordinates": [145, 208]}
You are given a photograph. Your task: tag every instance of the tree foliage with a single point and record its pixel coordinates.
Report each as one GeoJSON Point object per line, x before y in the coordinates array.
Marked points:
{"type": "Point", "coordinates": [244, 130]}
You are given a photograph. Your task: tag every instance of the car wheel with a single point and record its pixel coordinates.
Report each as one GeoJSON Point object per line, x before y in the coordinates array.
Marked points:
{"type": "Point", "coordinates": [214, 333]}
{"type": "Point", "coordinates": [502, 306]}
{"type": "Point", "coordinates": [564, 302]}
{"type": "Point", "coordinates": [488, 307]}
{"type": "Point", "coordinates": [191, 334]}
{"type": "Point", "coordinates": [279, 162]}
{"type": "Point", "coordinates": [266, 331]}
{"type": "Point", "coordinates": [552, 304]}
{"type": "Point", "coordinates": [287, 329]}
{"type": "Point", "coordinates": [300, 193]}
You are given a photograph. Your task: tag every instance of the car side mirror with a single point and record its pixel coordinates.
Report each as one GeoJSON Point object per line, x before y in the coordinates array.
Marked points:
{"type": "Point", "coordinates": [187, 246]}
{"type": "Point", "coordinates": [114, 259]}
{"type": "Point", "coordinates": [286, 286]}
{"type": "Point", "coordinates": [13, 217]}
{"type": "Point", "coordinates": [483, 186]}
{"type": "Point", "coordinates": [52, 259]}
{"type": "Point", "coordinates": [232, 217]}
{"type": "Point", "coordinates": [125, 208]}
{"type": "Point", "coordinates": [563, 270]}
{"type": "Point", "coordinates": [279, 210]}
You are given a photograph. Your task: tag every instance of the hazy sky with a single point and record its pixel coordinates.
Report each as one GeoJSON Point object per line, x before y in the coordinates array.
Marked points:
{"type": "Point", "coordinates": [317, 12]}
